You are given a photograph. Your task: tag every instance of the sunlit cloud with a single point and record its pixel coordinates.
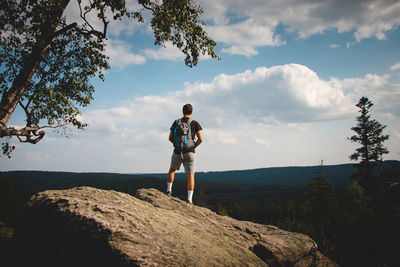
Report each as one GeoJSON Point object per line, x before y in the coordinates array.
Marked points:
{"type": "Point", "coordinates": [395, 66]}
{"type": "Point", "coordinates": [243, 27]}
{"type": "Point", "coordinates": [281, 95]}
{"type": "Point", "coordinates": [120, 54]}
{"type": "Point", "coordinates": [169, 52]}
{"type": "Point", "coordinates": [246, 25]}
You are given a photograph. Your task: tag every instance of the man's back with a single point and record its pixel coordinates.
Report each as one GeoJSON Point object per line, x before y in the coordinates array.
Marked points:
{"type": "Point", "coordinates": [194, 128]}
{"type": "Point", "coordinates": [184, 153]}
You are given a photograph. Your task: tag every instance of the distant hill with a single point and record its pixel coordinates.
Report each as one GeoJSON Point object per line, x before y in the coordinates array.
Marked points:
{"type": "Point", "coordinates": [35, 181]}
{"type": "Point", "coordinates": [337, 174]}
{"type": "Point", "coordinates": [27, 183]}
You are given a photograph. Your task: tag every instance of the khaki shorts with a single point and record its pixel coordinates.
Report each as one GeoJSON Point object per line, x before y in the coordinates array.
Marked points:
{"type": "Point", "coordinates": [188, 160]}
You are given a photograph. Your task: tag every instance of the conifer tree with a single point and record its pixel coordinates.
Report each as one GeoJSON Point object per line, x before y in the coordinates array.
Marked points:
{"type": "Point", "coordinates": [322, 202]}
{"type": "Point", "coordinates": [369, 134]}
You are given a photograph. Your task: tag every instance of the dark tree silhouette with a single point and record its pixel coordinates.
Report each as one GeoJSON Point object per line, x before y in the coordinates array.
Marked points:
{"type": "Point", "coordinates": [369, 134]}
{"type": "Point", "coordinates": [322, 204]}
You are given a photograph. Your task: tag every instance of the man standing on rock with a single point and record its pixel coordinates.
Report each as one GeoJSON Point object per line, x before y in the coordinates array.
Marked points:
{"type": "Point", "coordinates": [183, 136]}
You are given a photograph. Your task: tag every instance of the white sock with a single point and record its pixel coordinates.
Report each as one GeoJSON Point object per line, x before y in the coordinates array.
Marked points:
{"type": "Point", "coordinates": [190, 195]}
{"type": "Point", "coordinates": [169, 187]}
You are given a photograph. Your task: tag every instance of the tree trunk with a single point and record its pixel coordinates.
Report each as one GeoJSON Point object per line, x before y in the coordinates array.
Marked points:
{"type": "Point", "coordinates": [11, 97]}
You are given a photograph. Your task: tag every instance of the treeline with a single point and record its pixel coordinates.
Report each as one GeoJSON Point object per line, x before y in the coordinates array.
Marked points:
{"type": "Point", "coordinates": [351, 226]}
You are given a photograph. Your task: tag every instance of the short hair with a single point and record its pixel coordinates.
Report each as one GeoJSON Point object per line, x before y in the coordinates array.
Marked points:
{"type": "Point", "coordinates": [187, 109]}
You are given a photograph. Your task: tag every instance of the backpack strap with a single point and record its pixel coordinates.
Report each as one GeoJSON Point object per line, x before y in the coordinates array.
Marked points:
{"type": "Point", "coordinates": [189, 133]}
{"type": "Point", "coordinates": [189, 122]}
{"type": "Point", "coordinates": [176, 143]}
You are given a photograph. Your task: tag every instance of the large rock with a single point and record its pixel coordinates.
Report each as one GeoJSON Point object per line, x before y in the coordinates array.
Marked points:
{"type": "Point", "coordinates": [85, 226]}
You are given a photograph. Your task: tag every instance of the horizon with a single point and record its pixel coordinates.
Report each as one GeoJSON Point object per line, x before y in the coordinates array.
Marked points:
{"type": "Point", "coordinates": [283, 94]}
{"type": "Point", "coordinates": [182, 171]}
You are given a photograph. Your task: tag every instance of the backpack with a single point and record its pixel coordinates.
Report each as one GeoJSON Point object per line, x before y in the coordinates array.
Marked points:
{"type": "Point", "coordinates": [182, 135]}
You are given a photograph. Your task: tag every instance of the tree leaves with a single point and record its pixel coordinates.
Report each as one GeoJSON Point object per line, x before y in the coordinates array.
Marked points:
{"type": "Point", "coordinates": [47, 65]}
{"type": "Point", "coordinates": [178, 21]}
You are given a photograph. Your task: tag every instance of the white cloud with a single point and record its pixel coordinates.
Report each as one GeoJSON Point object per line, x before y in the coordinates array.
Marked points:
{"type": "Point", "coordinates": [395, 66]}
{"type": "Point", "coordinates": [334, 46]}
{"type": "Point", "coordinates": [221, 137]}
{"type": "Point", "coordinates": [384, 94]}
{"type": "Point", "coordinates": [289, 94]}
{"type": "Point", "coordinates": [101, 122]}
{"type": "Point", "coordinates": [243, 37]}
{"type": "Point", "coordinates": [243, 50]}
{"type": "Point", "coordinates": [120, 54]}
{"type": "Point", "coordinates": [260, 108]}
{"type": "Point", "coordinates": [241, 27]}
{"type": "Point", "coordinates": [169, 52]}
{"type": "Point", "coordinates": [246, 25]}
{"type": "Point", "coordinates": [281, 115]}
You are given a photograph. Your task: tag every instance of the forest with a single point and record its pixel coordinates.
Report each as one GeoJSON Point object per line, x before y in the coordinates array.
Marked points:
{"type": "Point", "coordinates": [352, 226]}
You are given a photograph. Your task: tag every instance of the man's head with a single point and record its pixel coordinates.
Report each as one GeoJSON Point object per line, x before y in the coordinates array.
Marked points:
{"type": "Point", "coordinates": [187, 109]}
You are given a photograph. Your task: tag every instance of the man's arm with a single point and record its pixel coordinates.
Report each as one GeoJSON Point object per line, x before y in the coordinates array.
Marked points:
{"type": "Point", "coordinates": [170, 137]}
{"type": "Point", "coordinates": [199, 138]}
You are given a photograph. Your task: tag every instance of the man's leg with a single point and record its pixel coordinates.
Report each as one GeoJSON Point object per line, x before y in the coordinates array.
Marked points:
{"type": "Point", "coordinates": [189, 163]}
{"type": "Point", "coordinates": [190, 186]}
{"type": "Point", "coordinates": [176, 161]}
{"type": "Point", "coordinates": [170, 180]}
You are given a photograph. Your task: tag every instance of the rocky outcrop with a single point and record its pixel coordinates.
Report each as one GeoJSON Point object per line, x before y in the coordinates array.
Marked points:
{"type": "Point", "coordinates": [85, 226]}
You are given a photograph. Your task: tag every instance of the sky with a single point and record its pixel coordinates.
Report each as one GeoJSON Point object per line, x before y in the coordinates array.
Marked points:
{"type": "Point", "coordinates": [283, 93]}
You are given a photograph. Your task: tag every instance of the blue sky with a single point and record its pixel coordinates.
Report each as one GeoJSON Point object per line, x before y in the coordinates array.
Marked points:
{"type": "Point", "coordinates": [283, 93]}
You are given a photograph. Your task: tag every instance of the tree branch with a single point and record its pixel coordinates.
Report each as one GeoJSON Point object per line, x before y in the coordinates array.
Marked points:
{"type": "Point", "coordinates": [147, 7]}
{"type": "Point", "coordinates": [93, 31]}
{"type": "Point", "coordinates": [65, 29]}
{"type": "Point", "coordinates": [25, 108]}
{"type": "Point", "coordinates": [32, 134]}
{"type": "Point", "coordinates": [105, 23]}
